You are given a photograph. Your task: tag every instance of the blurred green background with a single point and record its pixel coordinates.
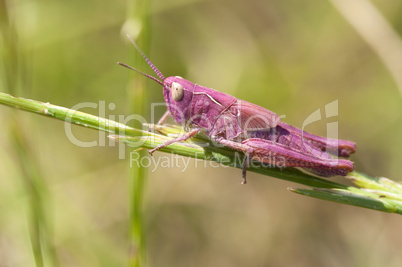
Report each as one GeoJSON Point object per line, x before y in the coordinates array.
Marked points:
{"type": "Point", "coordinates": [292, 57]}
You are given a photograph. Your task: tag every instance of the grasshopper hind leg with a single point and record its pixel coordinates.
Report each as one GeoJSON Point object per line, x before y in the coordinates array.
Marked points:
{"type": "Point", "coordinates": [247, 150]}
{"type": "Point", "coordinates": [277, 154]}
{"type": "Point", "coordinates": [245, 166]}
{"type": "Point", "coordinates": [342, 168]}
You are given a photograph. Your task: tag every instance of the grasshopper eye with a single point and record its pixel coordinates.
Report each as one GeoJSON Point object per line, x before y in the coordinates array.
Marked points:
{"type": "Point", "coordinates": [177, 91]}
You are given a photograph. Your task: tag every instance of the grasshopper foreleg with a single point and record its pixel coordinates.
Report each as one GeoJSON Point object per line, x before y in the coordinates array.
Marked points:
{"type": "Point", "coordinates": [163, 118]}
{"type": "Point", "coordinates": [183, 137]}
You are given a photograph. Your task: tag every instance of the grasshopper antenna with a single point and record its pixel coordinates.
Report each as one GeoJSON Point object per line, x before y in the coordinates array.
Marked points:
{"type": "Point", "coordinates": [140, 72]}
{"type": "Point", "coordinates": [154, 68]}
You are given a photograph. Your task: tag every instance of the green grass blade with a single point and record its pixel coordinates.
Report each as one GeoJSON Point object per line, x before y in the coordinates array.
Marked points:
{"type": "Point", "coordinates": [360, 198]}
{"type": "Point", "coordinates": [68, 115]}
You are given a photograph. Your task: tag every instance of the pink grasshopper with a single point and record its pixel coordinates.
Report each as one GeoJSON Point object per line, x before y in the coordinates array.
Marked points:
{"type": "Point", "coordinates": [246, 127]}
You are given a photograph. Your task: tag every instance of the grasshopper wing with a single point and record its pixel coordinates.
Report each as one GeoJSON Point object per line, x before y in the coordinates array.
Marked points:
{"type": "Point", "coordinates": [253, 117]}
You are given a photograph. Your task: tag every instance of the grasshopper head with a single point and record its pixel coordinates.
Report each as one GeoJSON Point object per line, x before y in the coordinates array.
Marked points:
{"type": "Point", "coordinates": [178, 94]}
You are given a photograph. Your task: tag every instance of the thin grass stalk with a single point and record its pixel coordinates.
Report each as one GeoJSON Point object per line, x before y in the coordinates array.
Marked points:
{"type": "Point", "coordinates": [137, 26]}
{"type": "Point", "coordinates": [36, 188]}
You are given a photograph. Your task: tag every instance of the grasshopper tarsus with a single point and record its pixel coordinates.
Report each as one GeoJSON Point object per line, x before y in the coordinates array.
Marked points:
{"type": "Point", "coordinates": [245, 166]}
